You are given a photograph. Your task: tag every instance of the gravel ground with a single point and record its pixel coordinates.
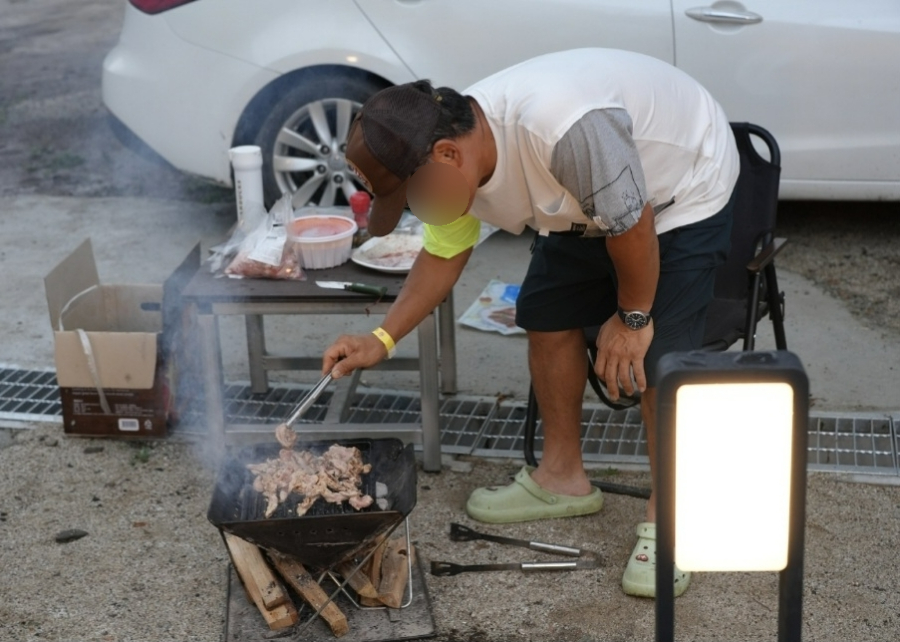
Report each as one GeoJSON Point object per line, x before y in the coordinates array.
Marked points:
{"type": "Point", "coordinates": [152, 568]}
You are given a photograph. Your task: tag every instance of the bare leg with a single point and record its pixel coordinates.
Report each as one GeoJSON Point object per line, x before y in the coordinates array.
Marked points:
{"type": "Point", "coordinates": [648, 413]}
{"type": "Point", "coordinates": [558, 364]}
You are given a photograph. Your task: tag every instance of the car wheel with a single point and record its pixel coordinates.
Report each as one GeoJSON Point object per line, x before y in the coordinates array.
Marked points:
{"type": "Point", "coordinates": [303, 140]}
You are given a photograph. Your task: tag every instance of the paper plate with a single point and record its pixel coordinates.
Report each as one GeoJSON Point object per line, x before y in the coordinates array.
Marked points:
{"type": "Point", "coordinates": [394, 253]}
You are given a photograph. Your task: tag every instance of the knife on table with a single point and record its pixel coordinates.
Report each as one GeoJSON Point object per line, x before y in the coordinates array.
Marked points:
{"type": "Point", "coordinates": [361, 288]}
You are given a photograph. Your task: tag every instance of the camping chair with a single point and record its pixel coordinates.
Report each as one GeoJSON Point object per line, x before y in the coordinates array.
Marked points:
{"type": "Point", "coordinates": [746, 286]}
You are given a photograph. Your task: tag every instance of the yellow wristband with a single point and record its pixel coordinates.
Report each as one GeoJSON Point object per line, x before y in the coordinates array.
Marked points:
{"type": "Point", "coordinates": [387, 340]}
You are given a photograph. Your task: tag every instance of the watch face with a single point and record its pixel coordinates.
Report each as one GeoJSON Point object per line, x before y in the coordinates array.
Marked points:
{"type": "Point", "coordinates": [636, 320]}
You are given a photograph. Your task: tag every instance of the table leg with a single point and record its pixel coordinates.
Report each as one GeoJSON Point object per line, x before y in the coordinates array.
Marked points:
{"type": "Point", "coordinates": [447, 331]}
{"type": "Point", "coordinates": [339, 406]}
{"type": "Point", "coordinates": [428, 388]}
{"type": "Point", "coordinates": [256, 351]}
{"type": "Point", "coordinates": [212, 380]}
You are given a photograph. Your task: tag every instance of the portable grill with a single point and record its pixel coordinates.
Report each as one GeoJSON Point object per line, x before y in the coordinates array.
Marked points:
{"type": "Point", "coordinates": [327, 534]}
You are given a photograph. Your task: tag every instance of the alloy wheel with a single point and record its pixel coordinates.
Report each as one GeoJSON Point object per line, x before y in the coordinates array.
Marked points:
{"type": "Point", "coordinates": [308, 156]}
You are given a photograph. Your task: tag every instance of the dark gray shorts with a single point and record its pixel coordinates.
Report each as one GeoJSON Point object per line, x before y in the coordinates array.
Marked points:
{"type": "Point", "coordinates": [571, 283]}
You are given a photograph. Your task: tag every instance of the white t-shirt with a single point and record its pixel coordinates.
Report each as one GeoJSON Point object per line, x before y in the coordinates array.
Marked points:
{"type": "Point", "coordinates": [683, 141]}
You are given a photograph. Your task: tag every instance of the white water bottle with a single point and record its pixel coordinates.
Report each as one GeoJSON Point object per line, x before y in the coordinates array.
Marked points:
{"type": "Point", "coordinates": [248, 190]}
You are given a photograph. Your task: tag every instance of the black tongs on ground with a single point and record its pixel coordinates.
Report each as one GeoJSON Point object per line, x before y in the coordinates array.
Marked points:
{"type": "Point", "coordinates": [460, 533]}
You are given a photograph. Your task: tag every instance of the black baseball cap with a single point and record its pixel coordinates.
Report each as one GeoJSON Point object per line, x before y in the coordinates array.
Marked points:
{"type": "Point", "coordinates": [388, 141]}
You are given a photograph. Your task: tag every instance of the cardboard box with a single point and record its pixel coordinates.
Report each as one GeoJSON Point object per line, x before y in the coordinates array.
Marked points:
{"type": "Point", "coordinates": [109, 346]}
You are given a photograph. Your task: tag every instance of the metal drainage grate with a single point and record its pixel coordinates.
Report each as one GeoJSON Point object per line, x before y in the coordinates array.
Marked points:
{"type": "Point", "coordinates": [462, 419]}
{"type": "Point", "coordinates": [608, 436]}
{"type": "Point", "coordinates": [838, 442]}
{"type": "Point", "coordinates": [28, 395]}
{"type": "Point", "coordinates": [852, 444]}
{"type": "Point", "coordinates": [895, 428]}
{"type": "Point", "coordinates": [242, 406]}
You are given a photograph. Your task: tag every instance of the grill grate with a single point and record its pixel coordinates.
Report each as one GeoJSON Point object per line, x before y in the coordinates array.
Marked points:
{"type": "Point", "coordinates": [328, 533]}
{"type": "Point", "coordinates": [483, 426]}
{"type": "Point", "coordinates": [251, 505]}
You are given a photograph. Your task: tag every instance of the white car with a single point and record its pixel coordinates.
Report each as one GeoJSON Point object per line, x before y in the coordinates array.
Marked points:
{"type": "Point", "coordinates": [193, 78]}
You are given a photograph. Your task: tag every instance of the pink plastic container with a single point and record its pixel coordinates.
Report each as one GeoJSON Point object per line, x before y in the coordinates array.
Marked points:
{"type": "Point", "coordinates": [321, 241]}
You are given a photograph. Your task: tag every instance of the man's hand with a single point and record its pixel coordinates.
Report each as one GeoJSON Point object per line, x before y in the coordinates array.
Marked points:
{"type": "Point", "coordinates": [350, 352]}
{"type": "Point", "coordinates": [428, 283]}
{"type": "Point", "coordinates": [620, 352]}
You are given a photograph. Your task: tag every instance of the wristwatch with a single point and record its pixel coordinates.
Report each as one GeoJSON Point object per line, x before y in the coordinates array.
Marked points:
{"type": "Point", "coordinates": [635, 319]}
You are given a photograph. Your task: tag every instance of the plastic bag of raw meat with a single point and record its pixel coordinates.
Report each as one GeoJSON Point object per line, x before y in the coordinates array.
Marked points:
{"type": "Point", "coordinates": [259, 250]}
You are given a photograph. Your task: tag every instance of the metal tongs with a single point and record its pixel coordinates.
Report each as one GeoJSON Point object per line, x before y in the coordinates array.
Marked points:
{"type": "Point", "coordinates": [284, 432]}
{"type": "Point", "coordinates": [460, 533]}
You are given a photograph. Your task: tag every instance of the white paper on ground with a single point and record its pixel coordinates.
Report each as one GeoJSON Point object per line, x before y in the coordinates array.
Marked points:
{"type": "Point", "coordinates": [494, 310]}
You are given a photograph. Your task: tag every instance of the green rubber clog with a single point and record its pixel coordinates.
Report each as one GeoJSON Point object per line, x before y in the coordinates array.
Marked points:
{"type": "Point", "coordinates": [525, 501]}
{"type": "Point", "coordinates": [639, 579]}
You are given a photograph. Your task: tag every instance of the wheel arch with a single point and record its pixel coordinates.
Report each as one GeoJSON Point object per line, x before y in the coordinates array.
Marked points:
{"type": "Point", "coordinates": [253, 115]}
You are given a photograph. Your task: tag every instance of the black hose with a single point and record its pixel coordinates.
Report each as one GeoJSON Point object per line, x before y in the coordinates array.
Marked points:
{"type": "Point", "coordinates": [621, 489]}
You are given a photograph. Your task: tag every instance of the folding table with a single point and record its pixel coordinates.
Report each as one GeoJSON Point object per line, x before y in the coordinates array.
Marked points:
{"type": "Point", "coordinates": [213, 297]}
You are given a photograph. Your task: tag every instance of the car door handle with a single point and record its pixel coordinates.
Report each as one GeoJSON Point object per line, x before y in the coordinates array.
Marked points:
{"type": "Point", "coordinates": [720, 16]}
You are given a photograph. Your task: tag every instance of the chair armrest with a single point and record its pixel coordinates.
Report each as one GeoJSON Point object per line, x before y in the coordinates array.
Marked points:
{"type": "Point", "coordinates": [766, 255]}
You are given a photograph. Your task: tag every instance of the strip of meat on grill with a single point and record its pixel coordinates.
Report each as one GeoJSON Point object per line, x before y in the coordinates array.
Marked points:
{"type": "Point", "coordinates": [336, 476]}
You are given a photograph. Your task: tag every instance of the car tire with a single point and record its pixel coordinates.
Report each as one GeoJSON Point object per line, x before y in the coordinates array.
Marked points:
{"type": "Point", "coordinates": [303, 140]}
